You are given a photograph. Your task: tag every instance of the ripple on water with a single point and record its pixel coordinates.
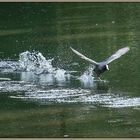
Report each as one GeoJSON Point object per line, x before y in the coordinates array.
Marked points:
{"type": "Point", "coordinates": [33, 65]}
{"type": "Point", "coordinates": [66, 95]}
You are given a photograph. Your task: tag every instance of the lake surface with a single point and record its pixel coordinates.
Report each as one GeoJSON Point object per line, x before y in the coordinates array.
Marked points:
{"type": "Point", "coordinates": [48, 91]}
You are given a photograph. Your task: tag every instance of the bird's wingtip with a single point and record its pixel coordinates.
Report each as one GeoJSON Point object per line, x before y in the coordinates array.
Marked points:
{"type": "Point", "coordinates": [71, 48]}
{"type": "Point", "coordinates": [128, 48]}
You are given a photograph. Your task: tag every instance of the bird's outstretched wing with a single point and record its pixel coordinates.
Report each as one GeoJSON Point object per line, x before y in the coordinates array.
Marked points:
{"type": "Point", "coordinates": [117, 54]}
{"type": "Point", "coordinates": [84, 57]}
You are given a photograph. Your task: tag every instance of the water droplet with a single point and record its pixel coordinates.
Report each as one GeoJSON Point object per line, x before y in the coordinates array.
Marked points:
{"type": "Point", "coordinates": [113, 22]}
{"type": "Point", "coordinates": [66, 136]}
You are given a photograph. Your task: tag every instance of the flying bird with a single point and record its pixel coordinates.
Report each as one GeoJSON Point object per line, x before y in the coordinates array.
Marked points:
{"type": "Point", "coordinates": [100, 67]}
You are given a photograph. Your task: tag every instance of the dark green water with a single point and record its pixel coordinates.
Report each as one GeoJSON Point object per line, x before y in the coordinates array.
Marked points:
{"type": "Point", "coordinates": [34, 105]}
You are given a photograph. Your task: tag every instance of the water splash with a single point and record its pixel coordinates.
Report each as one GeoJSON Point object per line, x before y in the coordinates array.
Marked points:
{"type": "Point", "coordinates": [31, 64]}
{"type": "Point", "coordinates": [34, 67]}
{"type": "Point", "coordinates": [35, 62]}
{"type": "Point", "coordinates": [87, 78]}
{"type": "Point", "coordinates": [28, 62]}
{"type": "Point", "coordinates": [9, 66]}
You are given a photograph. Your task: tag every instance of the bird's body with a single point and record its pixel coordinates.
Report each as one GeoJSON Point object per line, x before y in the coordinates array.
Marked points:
{"type": "Point", "coordinates": [101, 67]}
{"type": "Point", "coordinates": [98, 69]}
